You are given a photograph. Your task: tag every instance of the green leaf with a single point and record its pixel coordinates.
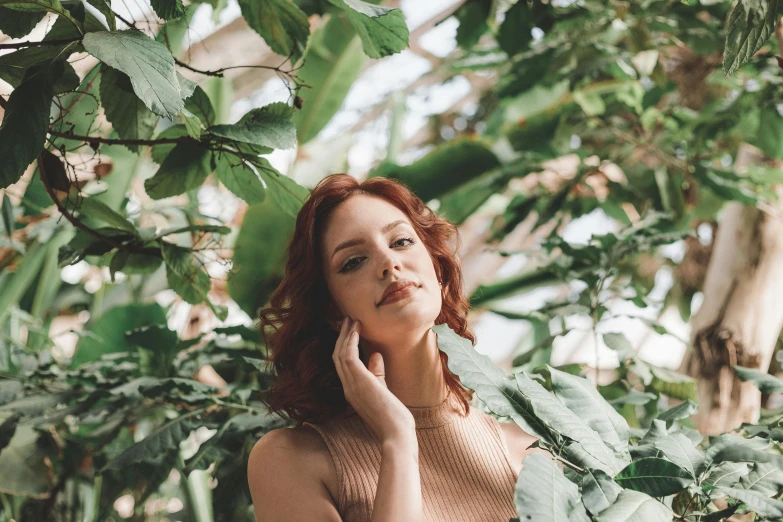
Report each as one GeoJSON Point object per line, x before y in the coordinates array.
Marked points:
{"type": "Point", "coordinates": [581, 397]}
{"type": "Point", "coordinates": [159, 153]}
{"type": "Point", "coordinates": [543, 493]}
{"type": "Point", "coordinates": [769, 136]}
{"type": "Point", "coordinates": [38, 6]}
{"type": "Point", "coordinates": [619, 343]}
{"type": "Point", "coordinates": [129, 116]}
{"type": "Point", "coordinates": [381, 29]}
{"type": "Point", "coordinates": [96, 209]}
{"type": "Point", "coordinates": [168, 9]}
{"type": "Point", "coordinates": [758, 502]}
{"type": "Point", "coordinates": [163, 442]}
{"type": "Point", "coordinates": [681, 411]}
{"type": "Point", "coordinates": [726, 474]}
{"type": "Point", "coordinates": [259, 266]}
{"type": "Point", "coordinates": [26, 121]}
{"type": "Point", "coordinates": [599, 490]}
{"type": "Point", "coordinates": [750, 25]}
{"type": "Point", "coordinates": [269, 126]}
{"type": "Point", "coordinates": [679, 449]}
{"type": "Point", "coordinates": [673, 384]}
{"type": "Point", "coordinates": [184, 276]}
{"type": "Point", "coordinates": [633, 506]}
{"type": "Point", "coordinates": [472, 17]}
{"type": "Point", "coordinates": [282, 25]}
{"type": "Point", "coordinates": [148, 64]}
{"type": "Point", "coordinates": [200, 105]}
{"type": "Point", "coordinates": [762, 380]}
{"type": "Point", "coordinates": [444, 169]}
{"type": "Point", "coordinates": [240, 178]}
{"type": "Point", "coordinates": [654, 476]}
{"type": "Point", "coordinates": [8, 428]}
{"type": "Point", "coordinates": [287, 193]}
{"type": "Point", "coordinates": [13, 66]}
{"type": "Point", "coordinates": [331, 64]}
{"type": "Point", "coordinates": [18, 24]}
{"type": "Point", "coordinates": [493, 387]}
{"type": "Point", "coordinates": [107, 335]}
{"type": "Point", "coordinates": [192, 123]}
{"type": "Point", "coordinates": [185, 168]}
{"type": "Point", "coordinates": [766, 478]}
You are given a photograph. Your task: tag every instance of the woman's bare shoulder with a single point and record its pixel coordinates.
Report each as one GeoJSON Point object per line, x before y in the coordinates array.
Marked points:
{"type": "Point", "coordinates": [287, 449]}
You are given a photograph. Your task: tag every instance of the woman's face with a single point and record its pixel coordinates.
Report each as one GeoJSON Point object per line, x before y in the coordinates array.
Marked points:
{"type": "Point", "coordinates": [369, 244]}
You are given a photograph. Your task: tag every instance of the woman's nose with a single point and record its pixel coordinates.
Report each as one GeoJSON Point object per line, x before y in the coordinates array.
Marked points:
{"type": "Point", "coordinates": [388, 264]}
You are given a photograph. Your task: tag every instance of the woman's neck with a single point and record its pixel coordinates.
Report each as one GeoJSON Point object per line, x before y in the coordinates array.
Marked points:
{"type": "Point", "coordinates": [413, 369]}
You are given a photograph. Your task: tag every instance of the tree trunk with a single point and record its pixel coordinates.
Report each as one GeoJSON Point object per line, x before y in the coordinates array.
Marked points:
{"type": "Point", "coordinates": [741, 317]}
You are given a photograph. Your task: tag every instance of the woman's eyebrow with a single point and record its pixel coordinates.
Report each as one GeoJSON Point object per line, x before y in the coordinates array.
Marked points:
{"type": "Point", "coordinates": [354, 242]}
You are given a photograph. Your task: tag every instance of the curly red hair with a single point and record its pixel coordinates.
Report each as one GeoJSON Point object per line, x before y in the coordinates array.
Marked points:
{"type": "Point", "coordinates": [295, 325]}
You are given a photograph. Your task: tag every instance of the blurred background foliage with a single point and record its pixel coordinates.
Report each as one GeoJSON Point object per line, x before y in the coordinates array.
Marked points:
{"type": "Point", "coordinates": [153, 158]}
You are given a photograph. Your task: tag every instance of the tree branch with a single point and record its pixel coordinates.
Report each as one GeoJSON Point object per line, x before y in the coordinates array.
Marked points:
{"type": "Point", "coordinates": [22, 45]}
{"type": "Point", "coordinates": [117, 141]}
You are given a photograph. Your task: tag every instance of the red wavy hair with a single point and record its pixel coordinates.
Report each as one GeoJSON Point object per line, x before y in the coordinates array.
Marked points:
{"type": "Point", "coordinates": [295, 325]}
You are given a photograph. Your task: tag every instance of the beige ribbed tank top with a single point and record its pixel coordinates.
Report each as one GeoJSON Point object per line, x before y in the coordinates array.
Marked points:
{"type": "Point", "coordinates": [466, 473]}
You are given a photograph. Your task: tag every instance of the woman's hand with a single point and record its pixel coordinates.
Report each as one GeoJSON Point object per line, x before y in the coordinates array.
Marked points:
{"type": "Point", "coordinates": [365, 388]}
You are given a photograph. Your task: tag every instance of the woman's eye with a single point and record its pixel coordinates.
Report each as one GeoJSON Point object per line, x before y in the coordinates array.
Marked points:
{"type": "Point", "coordinates": [350, 265]}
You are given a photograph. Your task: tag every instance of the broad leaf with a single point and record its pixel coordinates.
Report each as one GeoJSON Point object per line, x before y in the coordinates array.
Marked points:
{"type": "Point", "coordinates": [129, 116]}
{"type": "Point", "coordinates": [185, 168]}
{"type": "Point", "coordinates": [382, 29]}
{"type": "Point", "coordinates": [168, 9]}
{"type": "Point", "coordinates": [287, 193]}
{"type": "Point", "coordinates": [654, 476]}
{"type": "Point", "coordinates": [184, 275]}
{"type": "Point", "coordinates": [268, 126]}
{"type": "Point", "coordinates": [13, 66]}
{"type": "Point", "coordinates": [282, 25]}
{"type": "Point", "coordinates": [758, 502]}
{"type": "Point", "coordinates": [95, 209]}
{"type": "Point", "coordinates": [681, 411]}
{"type": "Point", "coordinates": [673, 384]}
{"type": "Point", "coordinates": [147, 63]}
{"type": "Point", "coordinates": [633, 506]}
{"type": "Point", "coordinates": [24, 462]}
{"type": "Point", "coordinates": [726, 474]}
{"type": "Point", "coordinates": [750, 25]}
{"type": "Point", "coordinates": [543, 493]}
{"type": "Point", "coordinates": [679, 449]}
{"type": "Point", "coordinates": [18, 24]}
{"type": "Point", "coordinates": [239, 178]}
{"type": "Point", "coordinates": [599, 490]}
{"type": "Point", "coordinates": [762, 380]}
{"type": "Point", "coordinates": [199, 104]}
{"type": "Point", "coordinates": [765, 477]}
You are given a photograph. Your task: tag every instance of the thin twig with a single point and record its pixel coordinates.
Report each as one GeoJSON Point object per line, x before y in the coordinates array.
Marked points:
{"type": "Point", "coordinates": [44, 43]}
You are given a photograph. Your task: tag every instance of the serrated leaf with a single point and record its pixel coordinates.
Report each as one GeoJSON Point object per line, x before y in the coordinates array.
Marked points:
{"type": "Point", "coordinates": [192, 123]}
{"type": "Point", "coordinates": [186, 278]}
{"type": "Point", "coordinates": [599, 490]}
{"type": "Point", "coordinates": [18, 24]}
{"type": "Point", "coordinates": [269, 126]}
{"type": "Point", "coordinates": [13, 66]}
{"type": "Point", "coordinates": [97, 209]}
{"type": "Point", "coordinates": [749, 26]}
{"type": "Point", "coordinates": [381, 29]}
{"type": "Point", "coordinates": [128, 115]}
{"type": "Point", "coordinates": [148, 64]}
{"type": "Point", "coordinates": [543, 493]}
{"type": "Point", "coordinates": [633, 506]}
{"type": "Point", "coordinates": [185, 168]}
{"type": "Point", "coordinates": [240, 178]}
{"type": "Point", "coordinates": [287, 193]}
{"type": "Point", "coordinates": [199, 104]}
{"type": "Point", "coordinates": [282, 25]}
{"type": "Point", "coordinates": [654, 476]}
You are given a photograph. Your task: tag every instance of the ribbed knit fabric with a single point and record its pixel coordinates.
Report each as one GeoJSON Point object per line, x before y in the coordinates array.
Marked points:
{"type": "Point", "coordinates": [466, 473]}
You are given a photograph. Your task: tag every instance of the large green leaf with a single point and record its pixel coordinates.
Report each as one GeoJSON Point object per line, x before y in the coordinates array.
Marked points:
{"type": "Point", "coordinates": [269, 126]}
{"type": "Point", "coordinates": [381, 29]}
{"type": "Point", "coordinates": [287, 193]}
{"type": "Point", "coordinates": [147, 63]}
{"type": "Point", "coordinates": [17, 24]}
{"type": "Point", "coordinates": [107, 334]}
{"type": "Point", "coordinates": [444, 169]}
{"type": "Point", "coordinates": [654, 476]}
{"type": "Point", "coordinates": [681, 411]}
{"type": "Point", "coordinates": [259, 266]}
{"type": "Point", "coordinates": [633, 506]}
{"type": "Point", "coordinates": [750, 25]}
{"type": "Point", "coordinates": [332, 63]}
{"type": "Point", "coordinates": [756, 501]}
{"type": "Point", "coordinates": [679, 449]}
{"type": "Point", "coordinates": [26, 120]}
{"type": "Point", "coordinates": [168, 9]}
{"type": "Point", "coordinates": [185, 168]}
{"type": "Point", "coordinates": [282, 25]}
{"type": "Point", "coordinates": [492, 386]}
{"type": "Point", "coordinates": [599, 490]}
{"type": "Point", "coordinates": [543, 493]}
{"type": "Point", "coordinates": [184, 274]}
{"type": "Point", "coordinates": [129, 116]}
{"type": "Point", "coordinates": [726, 474]}
{"type": "Point", "coordinates": [239, 178]}
{"type": "Point", "coordinates": [13, 66]}
{"type": "Point", "coordinates": [673, 384]}
{"type": "Point", "coordinates": [581, 397]}
{"type": "Point", "coordinates": [765, 477]}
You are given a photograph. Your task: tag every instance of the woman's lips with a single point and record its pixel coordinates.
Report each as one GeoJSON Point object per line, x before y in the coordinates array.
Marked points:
{"type": "Point", "coordinates": [402, 293]}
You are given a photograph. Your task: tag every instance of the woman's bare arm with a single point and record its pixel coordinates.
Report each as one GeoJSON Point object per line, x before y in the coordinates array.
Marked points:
{"type": "Point", "coordinates": [398, 497]}
{"type": "Point", "coordinates": [286, 479]}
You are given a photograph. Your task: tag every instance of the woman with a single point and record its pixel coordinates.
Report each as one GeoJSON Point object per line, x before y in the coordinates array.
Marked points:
{"type": "Point", "coordinates": [385, 431]}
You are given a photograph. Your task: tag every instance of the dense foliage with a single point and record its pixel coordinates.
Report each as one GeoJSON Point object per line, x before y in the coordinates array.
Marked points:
{"type": "Point", "coordinates": [632, 91]}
